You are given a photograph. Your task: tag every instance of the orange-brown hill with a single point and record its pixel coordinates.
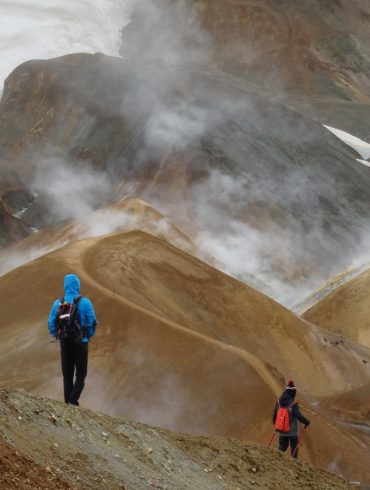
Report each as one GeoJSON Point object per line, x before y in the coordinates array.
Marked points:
{"type": "Point", "coordinates": [351, 410]}
{"type": "Point", "coordinates": [180, 345]}
{"type": "Point", "coordinates": [45, 444]}
{"type": "Point", "coordinates": [346, 310]}
{"type": "Point", "coordinates": [125, 215]}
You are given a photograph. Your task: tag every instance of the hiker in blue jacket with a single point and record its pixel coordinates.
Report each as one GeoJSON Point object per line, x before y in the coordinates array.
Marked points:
{"type": "Point", "coordinates": [287, 400]}
{"type": "Point", "coordinates": [72, 321]}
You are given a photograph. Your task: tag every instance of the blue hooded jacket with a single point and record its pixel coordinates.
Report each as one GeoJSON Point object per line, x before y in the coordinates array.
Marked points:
{"type": "Point", "coordinates": [86, 314]}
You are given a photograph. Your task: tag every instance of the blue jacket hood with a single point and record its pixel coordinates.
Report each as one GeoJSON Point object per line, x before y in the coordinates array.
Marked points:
{"type": "Point", "coordinates": [71, 287]}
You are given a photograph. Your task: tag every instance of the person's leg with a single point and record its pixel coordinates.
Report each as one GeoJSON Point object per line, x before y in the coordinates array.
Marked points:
{"type": "Point", "coordinates": [283, 443]}
{"type": "Point", "coordinates": [293, 446]}
{"type": "Point", "coordinates": [67, 361]}
{"type": "Point", "coordinates": [80, 361]}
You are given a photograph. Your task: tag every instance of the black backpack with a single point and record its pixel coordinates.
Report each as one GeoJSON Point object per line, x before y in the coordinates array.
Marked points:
{"type": "Point", "coordinates": [67, 324]}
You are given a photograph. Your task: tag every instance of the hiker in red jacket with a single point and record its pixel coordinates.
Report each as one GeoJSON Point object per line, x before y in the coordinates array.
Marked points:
{"type": "Point", "coordinates": [285, 418]}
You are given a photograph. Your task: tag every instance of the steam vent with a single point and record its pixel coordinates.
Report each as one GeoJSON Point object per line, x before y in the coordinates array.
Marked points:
{"type": "Point", "coordinates": [185, 245]}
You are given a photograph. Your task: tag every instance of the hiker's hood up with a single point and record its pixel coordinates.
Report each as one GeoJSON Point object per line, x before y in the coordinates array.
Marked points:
{"type": "Point", "coordinates": [286, 400]}
{"type": "Point", "coordinates": [71, 287]}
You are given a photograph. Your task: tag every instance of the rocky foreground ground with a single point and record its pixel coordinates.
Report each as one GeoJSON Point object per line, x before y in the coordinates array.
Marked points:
{"type": "Point", "coordinates": [45, 444]}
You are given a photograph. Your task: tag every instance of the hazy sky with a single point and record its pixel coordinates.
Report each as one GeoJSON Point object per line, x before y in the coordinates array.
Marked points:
{"type": "Point", "coordinates": [44, 29]}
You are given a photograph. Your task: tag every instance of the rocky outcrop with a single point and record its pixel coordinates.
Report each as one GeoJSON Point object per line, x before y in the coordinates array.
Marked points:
{"type": "Point", "coordinates": [14, 200]}
{"type": "Point", "coordinates": [45, 444]}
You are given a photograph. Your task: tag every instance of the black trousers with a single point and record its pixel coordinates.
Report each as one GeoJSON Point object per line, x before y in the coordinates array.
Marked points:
{"type": "Point", "coordinates": [284, 442]}
{"type": "Point", "coordinates": [74, 363]}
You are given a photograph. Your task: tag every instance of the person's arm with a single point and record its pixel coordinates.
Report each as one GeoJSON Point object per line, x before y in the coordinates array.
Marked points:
{"type": "Point", "coordinates": [52, 319]}
{"type": "Point", "coordinates": [274, 413]}
{"type": "Point", "coordinates": [87, 317]}
{"type": "Point", "coordinates": [298, 415]}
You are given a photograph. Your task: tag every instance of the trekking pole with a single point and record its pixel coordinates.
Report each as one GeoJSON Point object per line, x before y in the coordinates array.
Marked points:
{"type": "Point", "coordinates": [272, 438]}
{"type": "Point", "coordinates": [299, 443]}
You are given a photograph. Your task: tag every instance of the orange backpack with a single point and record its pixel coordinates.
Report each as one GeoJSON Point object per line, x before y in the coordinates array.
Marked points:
{"type": "Point", "coordinates": [282, 422]}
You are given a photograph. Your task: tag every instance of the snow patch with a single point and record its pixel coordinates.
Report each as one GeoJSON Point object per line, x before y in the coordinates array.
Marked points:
{"type": "Point", "coordinates": [364, 162]}
{"type": "Point", "coordinates": [362, 147]}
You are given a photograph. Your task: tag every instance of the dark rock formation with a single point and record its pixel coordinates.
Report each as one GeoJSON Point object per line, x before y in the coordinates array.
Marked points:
{"type": "Point", "coordinates": [248, 101]}
{"type": "Point", "coordinates": [14, 200]}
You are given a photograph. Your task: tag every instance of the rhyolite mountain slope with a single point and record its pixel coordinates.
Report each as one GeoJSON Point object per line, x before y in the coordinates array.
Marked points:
{"type": "Point", "coordinates": [213, 117]}
{"type": "Point", "coordinates": [245, 97]}
{"type": "Point", "coordinates": [182, 346]}
{"type": "Point", "coordinates": [346, 310]}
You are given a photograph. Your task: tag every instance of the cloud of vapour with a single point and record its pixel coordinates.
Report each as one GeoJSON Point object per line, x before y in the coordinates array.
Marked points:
{"type": "Point", "coordinates": [166, 46]}
{"type": "Point", "coordinates": [176, 128]}
{"type": "Point", "coordinates": [11, 259]}
{"type": "Point", "coordinates": [108, 221]}
{"type": "Point", "coordinates": [259, 253]}
{"type": "Point", "coordinates": [94, 224]}
{"type": "Point", "coordinates": [262, 218]}
{"type": "Point", "coordinates": [169, 48]}
{"type": "Point", "coordinates": [247, 227]}
{"type": "Point", "coordinates": [68, 189]}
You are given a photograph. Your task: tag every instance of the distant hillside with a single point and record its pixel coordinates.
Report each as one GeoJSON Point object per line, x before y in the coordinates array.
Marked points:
{"type": "Point", "coordinates": [346, 310]}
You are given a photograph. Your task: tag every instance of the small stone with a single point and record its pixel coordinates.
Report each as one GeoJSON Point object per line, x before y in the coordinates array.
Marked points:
{"type": "Point", "coordinates": [20, 418]}
{"type": "Point", "coordinates": [254, 469]}
{"type": "Point", "coordinates": [52, 418]}
{"type": "Point", "coordinates": [104, 434]}
{"type": "Point", "coordinates": [48, 469]}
